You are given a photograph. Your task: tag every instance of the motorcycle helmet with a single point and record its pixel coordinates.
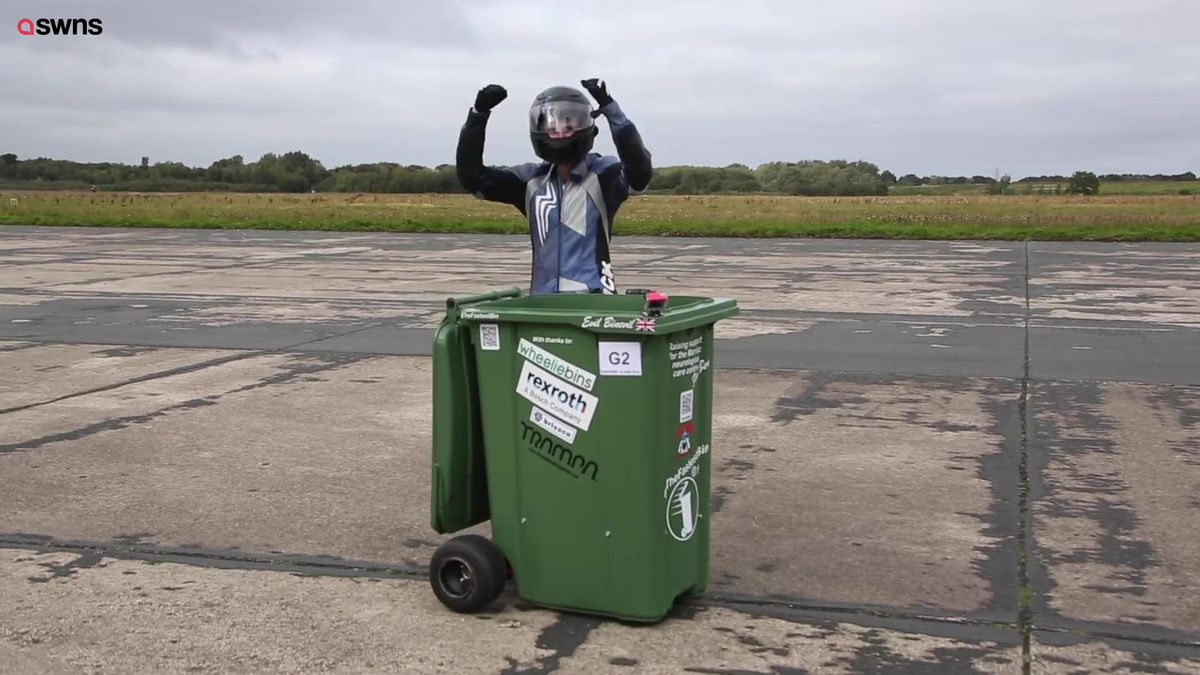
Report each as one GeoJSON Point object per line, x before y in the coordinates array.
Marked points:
{"type": "Point", "coordinates": [561, 125]}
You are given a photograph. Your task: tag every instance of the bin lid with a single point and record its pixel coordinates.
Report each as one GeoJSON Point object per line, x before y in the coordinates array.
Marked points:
{"type": "Point", "coordinates": [601, 313]}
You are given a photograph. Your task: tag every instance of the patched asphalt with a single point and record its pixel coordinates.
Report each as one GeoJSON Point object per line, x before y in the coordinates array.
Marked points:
{"type": "Point", "coordinates": [895, 423]}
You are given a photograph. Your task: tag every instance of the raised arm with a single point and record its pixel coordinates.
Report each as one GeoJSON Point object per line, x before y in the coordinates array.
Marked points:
{"type": "Point", "coordinates": [635, 158]}
{"type": "Point", "coordinates": [497, 184]}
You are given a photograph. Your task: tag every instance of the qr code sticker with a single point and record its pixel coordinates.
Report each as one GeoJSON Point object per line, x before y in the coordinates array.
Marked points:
{"type": "Point", "coordinates": [489, 336]}
{"type": "Point", "coordinates": [685, 406]}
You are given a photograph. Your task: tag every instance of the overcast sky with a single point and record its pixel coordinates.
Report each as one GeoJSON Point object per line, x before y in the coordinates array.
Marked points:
{"type": "Point", "coordinates": [927, 87]}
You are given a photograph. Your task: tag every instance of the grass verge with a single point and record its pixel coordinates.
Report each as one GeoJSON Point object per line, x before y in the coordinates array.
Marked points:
{"type": "Point", "coordinates": [1062, 218]}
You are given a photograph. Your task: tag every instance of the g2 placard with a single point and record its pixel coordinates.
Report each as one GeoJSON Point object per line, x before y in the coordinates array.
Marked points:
{"type": "Point", "coordinates": [621, 358]}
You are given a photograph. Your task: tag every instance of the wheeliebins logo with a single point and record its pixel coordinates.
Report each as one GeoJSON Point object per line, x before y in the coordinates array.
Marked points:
{"type": "Point", "coordinates": [60, 26]}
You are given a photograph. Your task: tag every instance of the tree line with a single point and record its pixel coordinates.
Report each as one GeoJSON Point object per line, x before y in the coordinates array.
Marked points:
{"type": "Point", "coordinates": [298, 172]}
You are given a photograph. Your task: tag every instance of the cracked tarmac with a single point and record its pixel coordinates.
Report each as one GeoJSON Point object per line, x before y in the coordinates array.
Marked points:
{"type": "Point", "coordinates": [927, 457]}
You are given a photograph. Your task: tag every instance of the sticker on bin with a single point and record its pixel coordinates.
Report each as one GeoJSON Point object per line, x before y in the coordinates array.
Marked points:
{"type": "Point", "coordinates": [489, 336]}
{"type": "Point", "coordinates": [563, 400]}
{"type": "Point", "coordinates": [683, 509]}
{"type": "Point", "coordinates": [684, 437]}
{"type": "Point", "coordinates": [691, 469]}
{"type": "Point", "coordinates": [568, 460]}
{"type": "Point", "coordinates": [552, 424]}
{"type": "Point", "coordinates": [686, 358]}
{"type": "Point", "coordinates": [686, 399]}
{"type": "Point", "coordinates": [640, 324]}
{"type": "Point", "coordinates": [564, 369]}
{"type": "Point", "coordinates": [621, 358]}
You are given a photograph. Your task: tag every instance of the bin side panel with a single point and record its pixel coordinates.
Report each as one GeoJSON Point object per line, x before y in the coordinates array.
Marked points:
{"type": "Point", "coordinates": [683, 362]}
{"type": "Point", "coordinates": [459, 491]}
{"type": "Point", "coordinates": [497, 368]}
{"type": "Point", "coordinates": [583, 543]}
{"type": "Point", "coordinates": [583, 497]}
{"type": "Point", "coordinates": [698, 378]}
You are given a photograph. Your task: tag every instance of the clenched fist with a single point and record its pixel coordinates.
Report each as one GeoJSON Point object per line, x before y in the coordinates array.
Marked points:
{"type": "Point", "coordinates": [489, 97]}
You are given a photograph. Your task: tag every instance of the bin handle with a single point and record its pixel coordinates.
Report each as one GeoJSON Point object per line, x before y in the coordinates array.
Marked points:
{"type": "Point", "coordinates": [454, 304]}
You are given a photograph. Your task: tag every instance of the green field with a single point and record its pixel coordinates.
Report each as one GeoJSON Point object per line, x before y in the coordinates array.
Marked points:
{"type": "Point", "coordinates": [1106, 188]}
{"type": "Point", "coordinates": [1042, 217]}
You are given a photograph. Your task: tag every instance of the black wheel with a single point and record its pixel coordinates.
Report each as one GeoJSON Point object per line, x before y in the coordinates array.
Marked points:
{"type": "Point", "coordinates": [467, 573]}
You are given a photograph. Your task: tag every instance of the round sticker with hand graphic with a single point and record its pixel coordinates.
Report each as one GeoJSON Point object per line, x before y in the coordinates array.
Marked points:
{"type": "Point", "coordinates": [683, 509]}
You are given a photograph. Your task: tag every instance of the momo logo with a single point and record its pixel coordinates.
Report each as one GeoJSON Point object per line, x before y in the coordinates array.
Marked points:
{"type": "Point", "coordinates": [683, 509]}
{"type": "Point", "coordinates": [60, 27]}
{"type": "Point", "coordinates": [563, 458]}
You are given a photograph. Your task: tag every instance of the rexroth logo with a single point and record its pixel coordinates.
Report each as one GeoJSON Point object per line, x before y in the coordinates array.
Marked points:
{"type": "Point", "coordinates": [60, 26]}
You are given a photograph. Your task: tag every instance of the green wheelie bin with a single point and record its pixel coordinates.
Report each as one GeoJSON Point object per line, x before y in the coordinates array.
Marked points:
{"type": "Point", "coordinates": [581, 426]}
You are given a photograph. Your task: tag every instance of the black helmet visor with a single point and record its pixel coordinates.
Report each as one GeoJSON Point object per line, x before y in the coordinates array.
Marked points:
{"type": "Point", "coordinates": [559, 119]}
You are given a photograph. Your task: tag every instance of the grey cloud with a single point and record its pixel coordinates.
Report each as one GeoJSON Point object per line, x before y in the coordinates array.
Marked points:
{"type": "Point", "coordinates": [251, 29]}
{"type": "Point", "coordinates": [926, 87]}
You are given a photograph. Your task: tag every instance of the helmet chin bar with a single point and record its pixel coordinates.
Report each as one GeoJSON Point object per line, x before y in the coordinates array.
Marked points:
{"type": "Point", "coordinates": [561, 151]}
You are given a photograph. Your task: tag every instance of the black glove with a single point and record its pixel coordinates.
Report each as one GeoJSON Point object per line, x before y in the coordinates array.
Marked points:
{"type": "Point", "coordinates": [489, 97]}
{"type": "Point", "coordinates": [598, 90]}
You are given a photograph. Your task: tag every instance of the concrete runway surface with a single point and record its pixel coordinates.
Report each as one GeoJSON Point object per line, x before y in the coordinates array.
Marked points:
{"type": "Point", "coordinates": [928, 457]}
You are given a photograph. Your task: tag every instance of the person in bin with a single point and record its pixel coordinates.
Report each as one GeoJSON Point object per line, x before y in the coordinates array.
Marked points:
{"type": "Point", "coordinates": [572, 196]}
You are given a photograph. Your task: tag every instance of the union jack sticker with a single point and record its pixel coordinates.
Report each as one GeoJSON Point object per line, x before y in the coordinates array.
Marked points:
{"type": "Point", "coordinates": [646, 325]}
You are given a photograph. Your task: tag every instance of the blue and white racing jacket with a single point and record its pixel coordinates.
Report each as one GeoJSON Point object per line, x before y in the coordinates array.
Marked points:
{"type": "Point", "coordinates": [571, 222]}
